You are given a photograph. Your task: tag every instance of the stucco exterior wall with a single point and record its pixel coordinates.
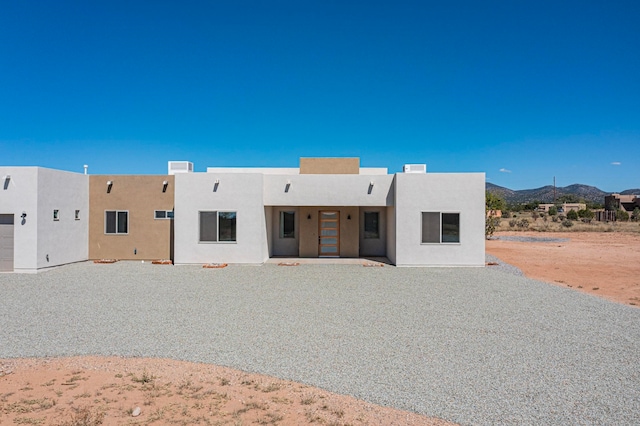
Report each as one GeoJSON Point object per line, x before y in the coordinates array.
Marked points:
{"type": "Point", "coordinates": [391, 234]}
{"type": "Point", "coordinates": [374, 246]}
{"type": "Point", "coordinates": [328, 190]}
{"type": "Point", "coordinates": [37, 191]}
{"type": "Point", "coordinates": [21, 195]}
{"type": "Point", "coordinates": [329, 166]}
{"type": "Point", "coordinates": [439, 192]}
{"type": "Point", "coordinates": [148, 238]}
{"type": "Point", "coordinates": [284, 246]}
{"type": "Point", "coordinates": [241, 193]}
{"type": "Point", "coordinates": [64, 240]}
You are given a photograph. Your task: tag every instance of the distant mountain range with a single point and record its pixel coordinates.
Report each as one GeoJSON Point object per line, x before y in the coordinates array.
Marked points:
{"type": "Point", "coordinates": [545, 194]}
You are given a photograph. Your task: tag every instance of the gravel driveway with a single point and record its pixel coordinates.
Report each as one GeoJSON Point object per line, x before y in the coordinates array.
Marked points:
{"type": "Point", "coordinates": [470, 345]}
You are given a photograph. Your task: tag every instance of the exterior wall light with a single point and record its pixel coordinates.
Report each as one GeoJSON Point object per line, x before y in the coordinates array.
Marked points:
{"type": "Point", "coordinates": [215, 185]}
{"type": "Point", "coordinates": [24, 215]}
{"type": "Point", "coordinates": [370, 187]}
{"type": "Point", "coordinates": [109, 185]}
{"type": "Point", "coordinates": [7, 179]}
{"type": "Point", "coordinates": [164, 186]}
{"type": "Point", "coordinates": [287, 186]}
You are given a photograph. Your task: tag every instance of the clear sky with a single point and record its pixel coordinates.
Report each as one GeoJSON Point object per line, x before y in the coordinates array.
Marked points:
{"type": "Point", "coordinates": [521, 90]}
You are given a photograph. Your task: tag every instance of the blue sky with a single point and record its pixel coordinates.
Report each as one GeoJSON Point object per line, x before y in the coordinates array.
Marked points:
{"type": "Point", "coordinates": [521, 90]}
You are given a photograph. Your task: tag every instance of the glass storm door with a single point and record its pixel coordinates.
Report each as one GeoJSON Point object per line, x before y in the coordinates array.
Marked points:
{"type": "Point", "coordinates": [329, 234]}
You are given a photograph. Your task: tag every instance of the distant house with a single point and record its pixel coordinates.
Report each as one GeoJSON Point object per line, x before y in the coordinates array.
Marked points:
{"type": "Point", "coordinates": [564, 208]}
{"type": "Point", "coordinates": [621, 202]}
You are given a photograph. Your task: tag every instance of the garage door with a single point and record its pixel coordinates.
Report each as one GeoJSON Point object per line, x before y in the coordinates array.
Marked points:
{"type": "Point", "coordinates": [6, 243]}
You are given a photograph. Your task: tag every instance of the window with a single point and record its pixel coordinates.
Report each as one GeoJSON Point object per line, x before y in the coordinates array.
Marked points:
{"type": "Point", "coordinates": [440, 227]}
{"type": "Point", "coordinates": [163, 214]}
{"type": "Point", "coordinates": [77, 215]}
{"type": "Point", "coordinates": [217, 227]}
{"type": "Point", "coordinates": [371, 225]}
{"type": "Point", "coordinates": [116, 222]}
{"type": "Point", "coordinates": [287, 224]}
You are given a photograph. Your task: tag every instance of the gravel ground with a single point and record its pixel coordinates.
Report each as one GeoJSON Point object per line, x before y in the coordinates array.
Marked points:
{"type": "Point", "coordinates": [531, 239]}
{"type": "Point", "coordinates": [470, 345]}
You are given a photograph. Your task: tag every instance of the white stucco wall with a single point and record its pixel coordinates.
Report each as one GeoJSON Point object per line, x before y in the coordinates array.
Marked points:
{"type": "Point", "coordinates": [37, 191]}
{"type": "Point", "coordinates": [20, 196]}
{"type": "Point", "coordinates": [65, 240]}
{"type": "Point", "coordinates": [328, 190]}
{"type": "Point", "coordinates": [439, 192]}
{"type": "Point", "coordinates": [242, 193]}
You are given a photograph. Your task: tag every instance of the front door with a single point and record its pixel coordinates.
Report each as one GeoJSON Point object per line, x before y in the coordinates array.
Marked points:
{"type": "Point", "coordinates": [6, 243]}
{"type": "Point", "coordinates": [329, 234]}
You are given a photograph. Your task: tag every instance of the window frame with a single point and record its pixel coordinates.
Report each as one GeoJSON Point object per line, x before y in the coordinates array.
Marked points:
{"type": "Point", "coordinates": [168, 214]}
{"type": "Point", "coordinates": [377, 222]}
{"type": "Point", "coordinates": [282, 234]}
{"type": "Point", "coordinates": [234, 231]}
{"type": "Point", "coordinates": [117, 215]}
{"type": "Point", "coordinates": [440, 228]}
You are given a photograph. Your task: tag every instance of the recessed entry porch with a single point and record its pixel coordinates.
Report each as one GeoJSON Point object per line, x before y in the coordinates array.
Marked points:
{"type": "Point", "coordinates": [327, 231]}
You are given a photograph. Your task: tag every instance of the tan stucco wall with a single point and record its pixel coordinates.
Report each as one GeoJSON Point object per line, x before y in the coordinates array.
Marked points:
{"type": "Point", "coordinates": [329, 166]}
{"type": "Point", "coordinates": [349, 231]}
{"type": "Point", "coordinates": [140, 195]}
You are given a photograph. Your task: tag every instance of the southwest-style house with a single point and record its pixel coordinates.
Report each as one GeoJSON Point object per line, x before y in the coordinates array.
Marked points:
{"type": "Point", "coordinates": [327, 207]}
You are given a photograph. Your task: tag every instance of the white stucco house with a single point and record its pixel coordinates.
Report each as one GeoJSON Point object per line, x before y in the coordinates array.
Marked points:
{"type": "Point", "coordinates": [327, 207]}
{"type": "Point", "coordinates": [330, 208]}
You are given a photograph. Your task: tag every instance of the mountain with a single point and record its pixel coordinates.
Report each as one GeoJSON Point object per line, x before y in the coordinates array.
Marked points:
{"type": "Point", "coordinates": [630, 192]}
{"type": "Point", "coordinates": [545, 194]}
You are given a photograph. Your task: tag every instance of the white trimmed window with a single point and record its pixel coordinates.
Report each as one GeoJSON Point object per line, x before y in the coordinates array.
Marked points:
{"type": "Point", "coordinates": [440, 227]}
{"type": "Point", "coordinates": [116, 222]}
{"type": "Point", "coordinates": [217, 226]}
{"type": "Point", "coordinates": [287, 224]}
{"type": "Point", "coordinates": [163, 214]}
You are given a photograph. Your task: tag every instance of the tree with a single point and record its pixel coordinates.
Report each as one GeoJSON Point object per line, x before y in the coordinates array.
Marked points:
{"type": "Point", "coordinates": [635, 216]}
{"type": "Point", "coordinates": [553, 210]}
{"type": "Point", "coordinates": [622, 215]}
{"type": "Point", "coordinates": [572, 215]}
{"type": "Point", "coordinates": [493, 203]}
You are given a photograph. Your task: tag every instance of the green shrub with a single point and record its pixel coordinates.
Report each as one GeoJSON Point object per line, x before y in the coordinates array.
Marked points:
{"type": "Point", "coordinates": [572, 215]}
{"type": "Point", "coordinates": [553, 210]}
{"type": "Point", "coordinates": [567, 223]}
{"type": "Point", "coordinates": [522, 223]}
{"type": "Point", "coordinates": [622, 215]}
{"type": "Point", "coordinates": [513, 222]}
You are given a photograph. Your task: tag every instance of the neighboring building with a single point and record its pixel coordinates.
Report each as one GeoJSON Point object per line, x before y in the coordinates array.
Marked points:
{"type": "Point", "coordinates": [625, 202]}
{"type": "Point", "coordinates": [563, 208]}
{"type": "Point", "coordinates": [328, 207]}
{"type": "Point", "coordinates": [43, 218]}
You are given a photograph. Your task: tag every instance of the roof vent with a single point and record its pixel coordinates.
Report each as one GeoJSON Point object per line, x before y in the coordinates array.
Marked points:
{"type": "Point", "coordinates": [414, 168]}
{"type": "Point", "coordinates": [180, 167]}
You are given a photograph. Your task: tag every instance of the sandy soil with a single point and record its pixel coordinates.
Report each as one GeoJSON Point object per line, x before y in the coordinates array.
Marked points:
{"type": "Point", "coordinates": [605, 264]}
{"type": "Point", "coordinates": [96, 390]}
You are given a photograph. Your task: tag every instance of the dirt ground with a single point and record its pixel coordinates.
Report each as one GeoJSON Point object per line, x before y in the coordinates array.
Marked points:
{"type": "Point", "coordinates": [86, 391]}
{"type": "Point", "coordinates": [605, 264]}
